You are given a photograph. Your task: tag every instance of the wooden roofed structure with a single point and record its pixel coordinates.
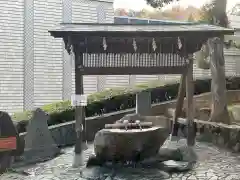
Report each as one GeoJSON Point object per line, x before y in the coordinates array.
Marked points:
{"type": "Point", "coordinates": [120, 49]}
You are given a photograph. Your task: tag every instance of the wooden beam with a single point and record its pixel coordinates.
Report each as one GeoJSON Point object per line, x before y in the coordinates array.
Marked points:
{"type": "Point", "coordinates": [179, 104]}
{"type": "Point", "coordinates": [101, 70]}
{"type": "Point", "coordinates": [190, 105]}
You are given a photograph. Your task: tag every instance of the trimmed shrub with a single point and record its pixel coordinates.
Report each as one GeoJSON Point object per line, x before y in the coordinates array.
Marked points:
{"type": "Point", "coordinates": [117, 99]}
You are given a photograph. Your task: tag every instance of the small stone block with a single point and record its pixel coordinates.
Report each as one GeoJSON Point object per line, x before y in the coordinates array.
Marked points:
{"type": "Point", "coordinates": [143, 103]}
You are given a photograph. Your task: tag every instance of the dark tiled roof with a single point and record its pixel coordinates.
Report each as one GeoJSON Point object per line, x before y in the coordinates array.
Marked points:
{"type": "Point", "coordinates": [139, 28]}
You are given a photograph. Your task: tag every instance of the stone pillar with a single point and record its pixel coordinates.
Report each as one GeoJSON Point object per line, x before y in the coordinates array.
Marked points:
{"type": "Point", "coordinates": [67, 59]}
{"type": "Point", "coordinates": [143, 103]}
{"type": "Point", "coordinates": [28, 85]}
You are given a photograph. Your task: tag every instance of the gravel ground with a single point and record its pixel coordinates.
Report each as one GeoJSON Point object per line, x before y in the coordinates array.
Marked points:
{"type": "Point", "coordinates": [213, 164]}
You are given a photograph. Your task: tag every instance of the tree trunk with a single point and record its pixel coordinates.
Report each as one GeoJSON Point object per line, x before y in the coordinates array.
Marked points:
{"type": "Point", "coordinates": [217, 62]}
{"type": "Point", "coordinates": [218, 87]}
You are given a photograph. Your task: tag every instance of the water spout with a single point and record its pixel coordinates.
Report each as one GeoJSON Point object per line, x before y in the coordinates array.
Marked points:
{"type": "Point", "coordinates": [139, 124]}
{"type": "Point", "coordinates": [126, 122]}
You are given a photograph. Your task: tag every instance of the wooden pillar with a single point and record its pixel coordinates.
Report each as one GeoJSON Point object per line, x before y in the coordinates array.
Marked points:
{"type": "Point", "coordinates": [190, 105]}
{"type": "Point", "coordinates": [80, 110]}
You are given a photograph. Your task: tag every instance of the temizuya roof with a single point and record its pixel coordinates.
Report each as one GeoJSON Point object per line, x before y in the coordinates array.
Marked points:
{"type": "Point", "coordinates": [165, 29]}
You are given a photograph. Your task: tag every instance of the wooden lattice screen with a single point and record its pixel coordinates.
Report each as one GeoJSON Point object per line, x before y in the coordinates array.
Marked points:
{"type": "Point", "coordinates": [131, 55]}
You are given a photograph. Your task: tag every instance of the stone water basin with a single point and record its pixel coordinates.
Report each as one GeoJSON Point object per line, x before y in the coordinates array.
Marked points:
{"type": "Point", "coordinates": [129, 145]}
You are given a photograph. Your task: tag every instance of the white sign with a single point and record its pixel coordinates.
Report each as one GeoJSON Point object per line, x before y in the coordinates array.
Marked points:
{"type": "Point", "coordinates": [79, 100]}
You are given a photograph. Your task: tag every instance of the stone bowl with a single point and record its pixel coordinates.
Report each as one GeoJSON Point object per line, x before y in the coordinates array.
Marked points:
{"type": "Point", "coordinates": [129, 145]}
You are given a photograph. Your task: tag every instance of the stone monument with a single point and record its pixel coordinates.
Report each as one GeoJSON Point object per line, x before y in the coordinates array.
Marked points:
{"type": "Point", "coordinates": [39, 144]}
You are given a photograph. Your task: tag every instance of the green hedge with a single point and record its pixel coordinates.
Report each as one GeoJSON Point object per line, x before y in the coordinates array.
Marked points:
{"type": "Point", "coordinates": [115, 100]}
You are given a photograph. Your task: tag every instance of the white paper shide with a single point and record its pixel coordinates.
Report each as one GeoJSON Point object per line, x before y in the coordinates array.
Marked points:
{"type": "Point", "coordinates": [79, 100]}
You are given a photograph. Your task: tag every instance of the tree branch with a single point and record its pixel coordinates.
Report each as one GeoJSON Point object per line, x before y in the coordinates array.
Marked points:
{"type": "Point", "coordinates": [159, 3]}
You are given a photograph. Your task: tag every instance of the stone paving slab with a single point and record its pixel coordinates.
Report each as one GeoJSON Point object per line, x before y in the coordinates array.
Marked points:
{"type": "Point", "coordinates": [213, 164]}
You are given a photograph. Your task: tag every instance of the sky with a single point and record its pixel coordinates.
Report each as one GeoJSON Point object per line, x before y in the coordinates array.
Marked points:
{"type": "Point", "coordinates": [140, 4]}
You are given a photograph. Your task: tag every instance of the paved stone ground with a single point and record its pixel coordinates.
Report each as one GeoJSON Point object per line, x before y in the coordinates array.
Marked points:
{"type": "Point", "coordinates": [213, 164]}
